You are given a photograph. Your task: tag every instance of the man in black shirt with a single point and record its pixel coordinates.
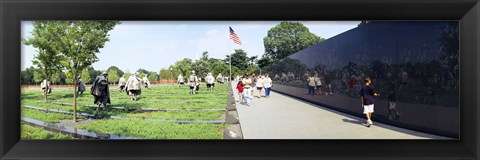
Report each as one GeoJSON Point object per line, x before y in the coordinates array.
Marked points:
{"type": "Point", "coordinates": [367, 93]}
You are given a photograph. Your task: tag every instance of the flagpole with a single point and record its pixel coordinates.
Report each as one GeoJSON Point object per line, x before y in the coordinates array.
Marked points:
{"type": "Point", "coordinates": [230, 61]}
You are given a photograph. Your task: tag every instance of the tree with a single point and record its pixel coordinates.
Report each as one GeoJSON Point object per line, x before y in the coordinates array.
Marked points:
{"type": "Point", "coordinates": [183, 66]}
{"type": "Point", "coordinates": [58, 78]}
{"type": "Point", "coordinates": [92, 73]}
{"type": "Point", "coordinates": [27, 76]}
{"type": "Point", "coordinates": [120, 72]}
{"type": "Point", "coordinates": [47, 58]}
{"type": "Point", "coordinates": [153, 77]}
{"type": "Point", "coordinates": [113, 76]}
{"type": "Point", "coordinates": [204, 56]}
{"type": "Point", "coordinates": [77, 42]}
{"type": "Point", "coordinates": [142, 72]}
{"type": "Point", "coordinates": [165, 73]}
{"type": "Point", "coordinates": [85, 76]}
{"type": "Point", "coordinates": [201, 68]}
{"type": "Point", "coordinates": [37, 76]}
{"type": "Point", "coordinates": [286, 39]}
{"type": "Point", "coordinates": [239, 59]}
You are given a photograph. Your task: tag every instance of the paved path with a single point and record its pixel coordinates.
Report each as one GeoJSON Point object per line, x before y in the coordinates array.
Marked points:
{"type": "Point", "coordinates": [284, 117]}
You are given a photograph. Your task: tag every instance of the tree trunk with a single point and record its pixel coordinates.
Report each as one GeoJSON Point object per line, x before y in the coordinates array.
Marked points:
{"type": "Point", "coordinates": [45, 93]}
{"type": "Point", "coordinates": [75, 99]}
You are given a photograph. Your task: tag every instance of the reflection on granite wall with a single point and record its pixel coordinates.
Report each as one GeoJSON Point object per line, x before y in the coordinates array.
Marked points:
{"type": "Point", "coordinates": [414, 62]}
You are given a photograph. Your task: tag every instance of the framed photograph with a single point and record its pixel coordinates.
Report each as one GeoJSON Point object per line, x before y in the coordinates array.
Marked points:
{"type": "Point", "coordinates": [239, 79]}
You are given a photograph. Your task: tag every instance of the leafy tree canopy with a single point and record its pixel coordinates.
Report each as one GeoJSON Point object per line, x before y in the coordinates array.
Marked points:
{"type": "Point", "coordinates": [286, 39]}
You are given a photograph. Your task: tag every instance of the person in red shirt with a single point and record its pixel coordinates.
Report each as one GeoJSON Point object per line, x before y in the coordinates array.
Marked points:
{"type": "Point", "coordinates": [240, 90]}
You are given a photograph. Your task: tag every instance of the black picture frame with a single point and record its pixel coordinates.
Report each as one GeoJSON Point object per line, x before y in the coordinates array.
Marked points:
{"type": "Point", "coordinates": [12, 12]}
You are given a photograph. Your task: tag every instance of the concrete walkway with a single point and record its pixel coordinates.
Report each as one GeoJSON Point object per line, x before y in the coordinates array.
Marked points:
{"type": "Point", "coordinates": [284, 117]}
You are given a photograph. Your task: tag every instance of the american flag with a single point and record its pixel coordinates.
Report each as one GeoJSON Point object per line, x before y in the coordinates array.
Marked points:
{"type": "Point", "coordinates": [234, 36]}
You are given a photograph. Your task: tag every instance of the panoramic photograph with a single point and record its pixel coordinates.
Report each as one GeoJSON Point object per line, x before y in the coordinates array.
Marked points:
{"type": "Point", "coordinates": [218, 80]}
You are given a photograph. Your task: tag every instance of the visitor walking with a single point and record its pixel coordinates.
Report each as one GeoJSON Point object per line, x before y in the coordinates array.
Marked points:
{"type": "Point", "coordinates": [254, 81]}
{"type": "Point", "coordinates": [247, 81]}
{"type": "Point", "coordinates": [367, 93]}
{"type": "Point", "coordinates": [240, 91]}
{"type": "Point", "coordinates": [267, 83]}
{"type": "Point", "coordinates": [259, 85]}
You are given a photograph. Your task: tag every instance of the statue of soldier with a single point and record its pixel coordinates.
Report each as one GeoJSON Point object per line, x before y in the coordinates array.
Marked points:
{"type": "Point", "coordinates": [81, 86]}
{"type": "Point", "coordinates": [210, 81]}
{"type": "Point", "coordinates": [146, 82]}
{"type": "Point", "coordinates": [121, 83]}
{"type": "Point", "coordinates": [193, 82]}
{"type": "Point", "coordinates": [134, 87]}
{"type": "Point", "coordinates": [180, 80]}
{"type": "Point", "coordinates": [45, 86]}
{"type": "Point", "coordinates": [220, 78]}
{"type": "Point", "coordinates": [100, 91]}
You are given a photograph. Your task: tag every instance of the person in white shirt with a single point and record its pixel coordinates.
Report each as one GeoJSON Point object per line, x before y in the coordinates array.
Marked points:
{"type": "Point", "coordinates": [247, 81]}
{"type": "Point", "coordinates": [259, 85]}
{"type": "Point", "coordinates": [267, 84]}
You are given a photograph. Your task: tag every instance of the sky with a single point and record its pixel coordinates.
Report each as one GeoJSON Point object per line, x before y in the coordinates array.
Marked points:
{"type": "Point", "coordinates": [153, 45]}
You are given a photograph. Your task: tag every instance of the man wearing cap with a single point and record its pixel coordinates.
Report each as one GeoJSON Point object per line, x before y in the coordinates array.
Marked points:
{"type": "Point", "coordinates": [134, 87]}
{"type": "Point", "coordinates": [210, 81]}
{"type": "Point", "coordinates": [100, 91]}
{"type": "Point", "coordinates": [193, 82]}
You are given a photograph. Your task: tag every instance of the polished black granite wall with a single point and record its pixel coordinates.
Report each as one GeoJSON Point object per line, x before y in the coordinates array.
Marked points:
{"type": "Point", "coordinates": [415, 61]}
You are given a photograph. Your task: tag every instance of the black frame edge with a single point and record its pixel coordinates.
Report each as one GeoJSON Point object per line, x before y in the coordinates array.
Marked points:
{"type": "Point", "coordinates": [466, 148]}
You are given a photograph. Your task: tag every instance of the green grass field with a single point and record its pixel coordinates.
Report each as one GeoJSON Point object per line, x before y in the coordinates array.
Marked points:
{"type": "Point", "coordinates": [29, 132]}
{"type": "Point", "coordinates": [162, 97]}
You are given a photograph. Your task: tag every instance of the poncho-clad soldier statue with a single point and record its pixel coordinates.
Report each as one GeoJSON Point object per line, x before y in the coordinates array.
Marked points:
{"type": "Point", "coordinates": [134, 87]}
{"type": "Point", "coordinates": [210, 81]}
{"type": "Point", "coordinates": [81, 86]}
{"type": "Point", "coordinates": [146, 82]}
{"type": "Point", "coordinates": [121, 83]}
{"type": "Point", "coordinates": [100, 91]}
{"type": "Point", "coordinates": [45, 86]}
{"type": "Point", "coordinates": [180, 80]}
{"type": "Point", "coordinates": [193, 82]}
{"type": "Point", "coordinates": [220, 78]}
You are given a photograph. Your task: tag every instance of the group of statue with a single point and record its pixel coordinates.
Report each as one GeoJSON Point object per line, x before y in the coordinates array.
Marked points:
{"type": "Point", "coordinates": [132, 86]}
{"type": "Point", "coordinates": [193, 81]}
